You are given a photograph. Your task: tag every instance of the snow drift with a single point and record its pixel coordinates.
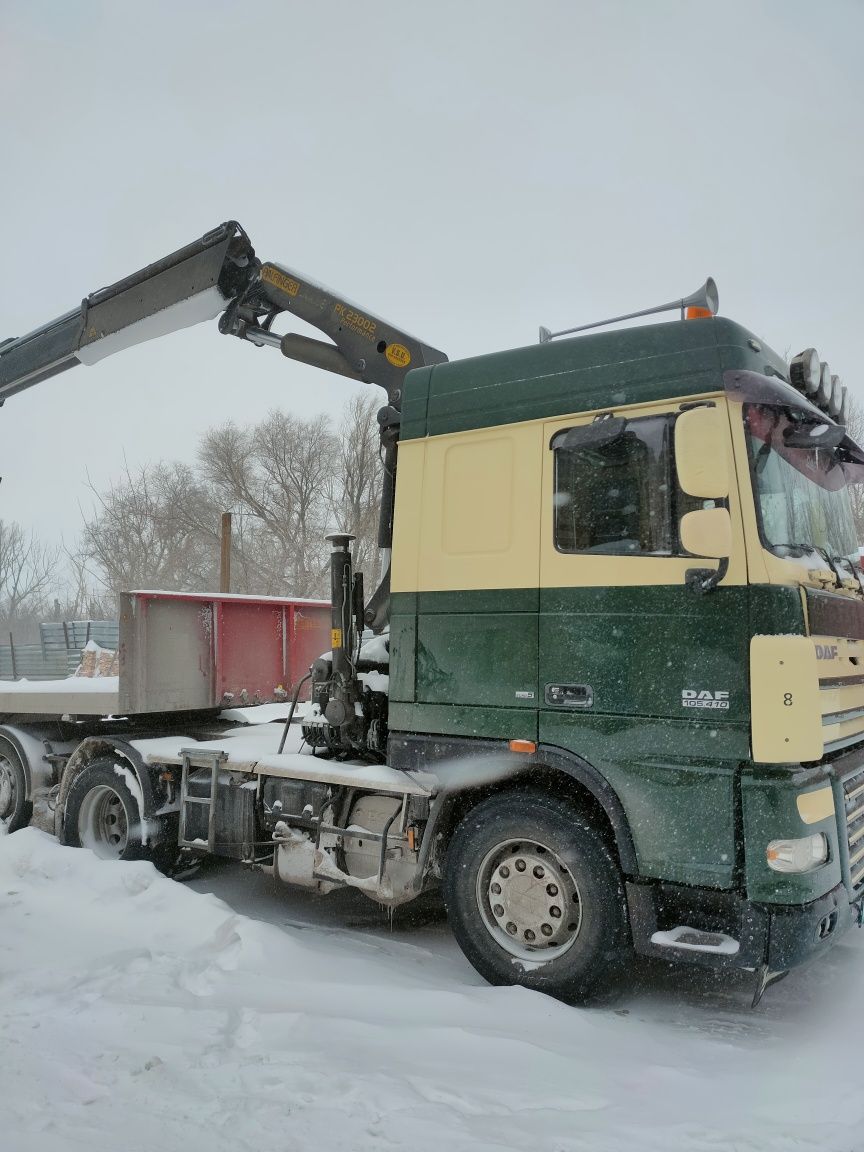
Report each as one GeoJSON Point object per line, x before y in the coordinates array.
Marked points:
{"type": "Point", "coordinates": [136, 1013]}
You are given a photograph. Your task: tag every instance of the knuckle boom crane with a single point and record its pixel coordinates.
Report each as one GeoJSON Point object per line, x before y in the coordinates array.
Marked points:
{"type": "Point", "coordinates": [220, 276]}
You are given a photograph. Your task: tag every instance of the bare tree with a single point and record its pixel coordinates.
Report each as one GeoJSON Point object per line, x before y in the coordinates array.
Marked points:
{"type": "Point", "coordinates": [81, 595]}
{"type": "Point", "coordinates": [855, 426]}
{"type": "Point", "coordinates": [286, 480]}
{"type": "Point", "coordinates": [27, 571]}
{"type": "Point", "coordinates": [356, 496]}
{"type": "Point", "coordinates": [157, 527]}
{"type": "Point", "coordinates": [278, 476]}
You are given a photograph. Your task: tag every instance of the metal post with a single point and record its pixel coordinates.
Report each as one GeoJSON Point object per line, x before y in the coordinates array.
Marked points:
{"type": "Point", "coordinates": [12, 654]}
{"type": "Point", "coordinates": [211, 816]}
{"type": "Point", "coordinates": [225, 558]}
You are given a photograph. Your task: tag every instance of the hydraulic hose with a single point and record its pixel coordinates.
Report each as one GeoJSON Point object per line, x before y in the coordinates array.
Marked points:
{"type": "Point", "coordinates": [294, 700]}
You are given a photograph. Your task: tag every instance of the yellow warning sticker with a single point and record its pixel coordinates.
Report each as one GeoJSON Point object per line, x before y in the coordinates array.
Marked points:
{"type": "Point", "coordinates": [335, 637]}
{"type": "Point", "coordinates": [398, 355]}
{"type": "Point", "coordinates": [279, 280]}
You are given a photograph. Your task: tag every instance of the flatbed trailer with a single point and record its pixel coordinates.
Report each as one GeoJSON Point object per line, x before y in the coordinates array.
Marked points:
{"type": "Point", "coordinates": [184, 663]}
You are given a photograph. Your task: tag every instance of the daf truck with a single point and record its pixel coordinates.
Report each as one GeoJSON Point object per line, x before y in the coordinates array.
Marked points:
{"type": "Point", "coordinates": [610, 694]}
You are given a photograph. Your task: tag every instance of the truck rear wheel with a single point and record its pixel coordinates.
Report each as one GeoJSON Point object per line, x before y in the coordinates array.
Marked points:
{"type": "Point", "coordinates": [535, 897]}
{"type": "Point", "coordinates": [102, 814]}
{"type": "Point", "coordinates": [15, 808]}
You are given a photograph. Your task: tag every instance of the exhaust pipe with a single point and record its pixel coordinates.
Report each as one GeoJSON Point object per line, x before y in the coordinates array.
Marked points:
{"type": "Point", "coordinates": [339, 712]}
{"type": "Point", "coordinates": [341, 601]}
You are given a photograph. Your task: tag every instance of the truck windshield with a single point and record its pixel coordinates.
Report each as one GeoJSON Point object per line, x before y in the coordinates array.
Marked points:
{"type": "Point", "coordinates": [802, 493]}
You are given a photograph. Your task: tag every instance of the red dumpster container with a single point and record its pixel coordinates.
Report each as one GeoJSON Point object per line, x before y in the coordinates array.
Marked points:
{"type": "Point", "coordinates": [186, 651]}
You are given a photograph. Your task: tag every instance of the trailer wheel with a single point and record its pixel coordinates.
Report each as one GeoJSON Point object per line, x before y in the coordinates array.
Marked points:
{"type": "Point", "coordinates": [102, 814]}
{"type": "Point", "coordinates": [15, 808]}
{"type": "Point", "coordinates": [534, 897]}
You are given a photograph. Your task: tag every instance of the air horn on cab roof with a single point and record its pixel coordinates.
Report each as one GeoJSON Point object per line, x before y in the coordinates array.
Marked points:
{"type": "Point", "coordinates": [703, 302]}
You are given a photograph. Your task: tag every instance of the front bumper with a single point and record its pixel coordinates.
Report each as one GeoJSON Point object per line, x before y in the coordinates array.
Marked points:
{"type": "Point", "coordinates": [781, 936]}
{"type": "Point", "coordinates": [798, 932]}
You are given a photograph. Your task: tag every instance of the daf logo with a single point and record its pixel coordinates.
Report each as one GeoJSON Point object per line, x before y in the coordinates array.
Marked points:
{"type": "Point", "coordinates": [826, 651]}
{"type": "Point", "coordinates": [691, 698]}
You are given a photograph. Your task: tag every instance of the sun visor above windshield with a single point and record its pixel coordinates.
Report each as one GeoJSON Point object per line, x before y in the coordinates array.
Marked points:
{"type": "Point", "coordinates": [755, 388]}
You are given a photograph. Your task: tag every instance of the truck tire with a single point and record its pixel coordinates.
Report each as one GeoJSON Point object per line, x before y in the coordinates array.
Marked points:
{"type": "Point", "coordinates": [102, 814]}
{"type": "Point", "coordinates": [15, 808]}
{"type": "Point", "coordinates": [534, 897]}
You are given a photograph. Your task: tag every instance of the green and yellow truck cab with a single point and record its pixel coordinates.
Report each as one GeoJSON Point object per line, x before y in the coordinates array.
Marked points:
{"type": "Point", "coordinates": [632, 555]}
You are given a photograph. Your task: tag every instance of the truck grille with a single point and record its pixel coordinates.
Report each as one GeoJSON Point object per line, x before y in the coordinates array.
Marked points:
{"type": "Point", "coordinates": [841, 690]}
{"type": "Point", "coordinates": [836, 626]}
{"type": "Point", "coordinates": [853, 794]}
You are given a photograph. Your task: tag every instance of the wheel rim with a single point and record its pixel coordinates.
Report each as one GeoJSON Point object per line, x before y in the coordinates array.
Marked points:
{"type": "Point", "coordinates": [102, 823]}
{"type": "Point", "coordinates": [8, 790]}
{"type": "Point", "coordinates": [529, 900]}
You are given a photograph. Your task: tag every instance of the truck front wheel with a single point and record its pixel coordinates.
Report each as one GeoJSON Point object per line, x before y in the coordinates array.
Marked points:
{"type": "Point", "coordinates": [535, 897]}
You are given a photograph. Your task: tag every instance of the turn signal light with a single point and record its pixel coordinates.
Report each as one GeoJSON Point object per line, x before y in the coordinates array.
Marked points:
{"type": "Point", "coordinates": [694, 313]}
{"type": "Point", "coordinates": [523, 746]}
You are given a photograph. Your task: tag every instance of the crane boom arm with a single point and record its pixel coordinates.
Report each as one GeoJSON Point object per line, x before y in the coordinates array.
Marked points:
{"type": "Point", "coordinates": [218, 275]}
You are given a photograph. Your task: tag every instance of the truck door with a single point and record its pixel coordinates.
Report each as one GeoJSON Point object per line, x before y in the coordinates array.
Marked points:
{"type": "Point", "coordinates": [640, 675]}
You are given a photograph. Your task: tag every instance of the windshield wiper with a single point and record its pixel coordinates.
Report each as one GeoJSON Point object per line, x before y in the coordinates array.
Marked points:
{"type": "Point", "coordinates": [854, 573]}
{"type": "Point", "coordinates": [803, 549]}
{"type": "Point", "coordinates": [829, 560]}
{"type": "Point", "coordinates": [826, 556]}
{"type": "Point", "coordinates": [796, 549]}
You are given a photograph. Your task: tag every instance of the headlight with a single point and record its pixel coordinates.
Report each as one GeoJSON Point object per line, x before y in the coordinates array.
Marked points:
{"type": "Point", "coordinates": [823, 392]}
{"type": "Point", "coordinates": [805, 371]}
{"type": "Point", "coordinates": [835, 404]}
{"type": "Point", "coordinates": [843, 416]}
{"type": "Point", "coordinates": [797, 855]}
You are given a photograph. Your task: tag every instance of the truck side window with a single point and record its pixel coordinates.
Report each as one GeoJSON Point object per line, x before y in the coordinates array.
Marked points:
{"type": "Point", "coordinates": [617, 498]}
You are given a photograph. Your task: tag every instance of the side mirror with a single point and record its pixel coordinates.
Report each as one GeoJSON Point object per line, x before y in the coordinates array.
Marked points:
{"type": "Point", "coordinates": [707, 532]}
{"type": "Point", "coordinates": [700, 454]}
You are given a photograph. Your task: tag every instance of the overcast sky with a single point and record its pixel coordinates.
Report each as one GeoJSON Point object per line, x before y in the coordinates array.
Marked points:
{"type": "Point", "coordinates": [466, 170]}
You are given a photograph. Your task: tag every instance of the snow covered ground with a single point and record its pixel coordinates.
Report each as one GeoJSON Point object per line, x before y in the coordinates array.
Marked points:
{"type": "Point", "coordinates": [138, 1013]}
